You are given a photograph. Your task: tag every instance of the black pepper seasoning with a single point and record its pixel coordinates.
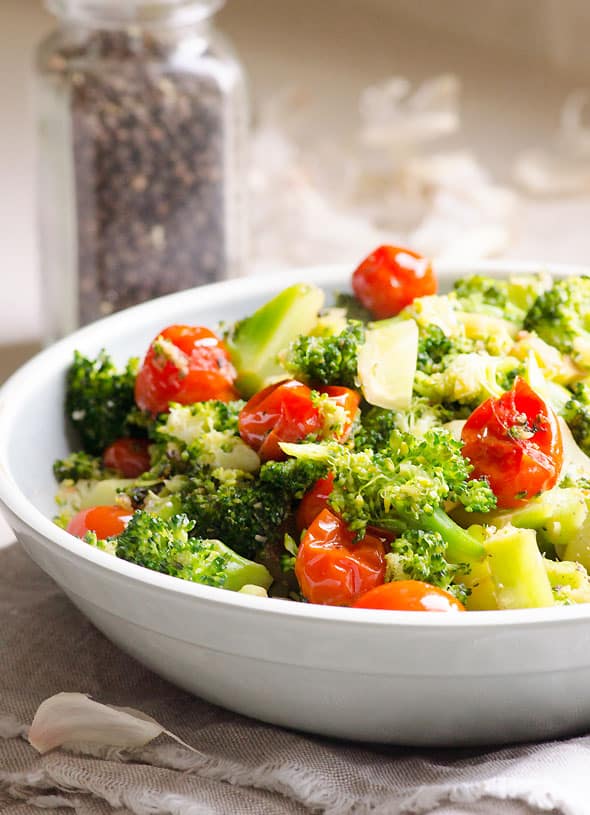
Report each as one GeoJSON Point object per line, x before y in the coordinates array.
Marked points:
{"type": "Point", "coordinates": [143, 131]}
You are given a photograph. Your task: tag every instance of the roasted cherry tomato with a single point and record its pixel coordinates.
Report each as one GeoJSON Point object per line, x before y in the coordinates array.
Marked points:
{"type": "Point", "coordinates": [130, 457]}
{"type": "Point", "coordinates": [105, 521]}
{"type": "Point", "coordinates": [334, 570]}
{"type": "Point", "coordinates": [390, 278]}
{"type": "Point", "coordinates": [348, 400]}
{"type": "Point", "coordinates": [184, 364]}
{"type": "Point", "coordinates": [313, 502]}
{"type": "Point", "coordinates": [409, 595]}
{"type": "Point", "coordinates": [280, 412]}
{"type": "Point", "coordinates": [515, 442]}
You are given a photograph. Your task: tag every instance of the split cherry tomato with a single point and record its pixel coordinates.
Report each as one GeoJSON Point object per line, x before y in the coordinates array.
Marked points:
{"type": "Point", "coordinates": [390, 278]}
{"type": "Point", "coordinates": [130, 457]}
{"type": "Point", "coordinates": [105, 521]}
{"type": "Point", "coordinates": [515, 442]}
{"type": "Point", "coordinates": [409, 595]}
{"type": "Point", "coordinates": [332, 569]}
{"type": "Point", "coordinates": [184, 364]}
{"type": "Point", "coordinates": [280, 412]}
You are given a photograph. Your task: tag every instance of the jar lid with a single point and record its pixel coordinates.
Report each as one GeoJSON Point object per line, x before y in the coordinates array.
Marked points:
{"type": "Point", "coordinates": [129, 12]}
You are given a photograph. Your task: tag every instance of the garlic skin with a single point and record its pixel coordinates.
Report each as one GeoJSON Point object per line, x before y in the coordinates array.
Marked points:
{"type": "Point", "coordinates": [68, 718]}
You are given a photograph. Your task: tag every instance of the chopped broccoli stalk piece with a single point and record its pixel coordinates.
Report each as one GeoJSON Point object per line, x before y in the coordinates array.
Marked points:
{"type": "Point", "coordinates": [518, 569]}
{"type": "Point", "coordinates": [570, 582]}
{"type": "Point", "coordinates": [165, 546]}
{"type": "Point", "coordinates": [256, 341]}
{"type": "Point", "coordinates": [508, 299]}
{"type": "Point", "coordinates": [328, 360]}
{"type": "Point", "coordinates": [561, 317]}
{"type": "Point", "coordinates": [99, 399]}
{"type": "Point", "coordinates": [576, 413]}
{"type": "Point", "coordinates": [420, 555]}
{"type": "Point", "coordinates": [404, 487]}
{"type": "Point", "coordinates": [79, 466]}
{"type": "Point", "coordinates": [204, 434]}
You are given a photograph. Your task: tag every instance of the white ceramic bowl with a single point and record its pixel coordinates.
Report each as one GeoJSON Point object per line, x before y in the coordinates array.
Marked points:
{"type": "Point", "coordinates": [409, 678]}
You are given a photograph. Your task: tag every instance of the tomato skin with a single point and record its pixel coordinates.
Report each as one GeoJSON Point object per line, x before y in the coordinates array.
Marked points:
{"type": "Point", "coordinates": [409, 595]}
{"type": "Point", "coordinates": [280, 412]}
{"type": "Point", "coordinates": [331, 568]}
{"type": "Point", "coordinates": [515, 442]}
{"type": "Point", "coordinates": [128, 456]}
{"type": "Point", "coordinates": [390, 278]}
{"type": "Point", "coordinates": [313, 502]}
{"type": "Point", "coordinates": [105, 521]}
{"type": "Point", "coordinates": [196, 368]}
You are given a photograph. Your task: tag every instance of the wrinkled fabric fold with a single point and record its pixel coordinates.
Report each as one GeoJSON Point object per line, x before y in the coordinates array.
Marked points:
{"type": "Point", "coordinates": [47, 646]}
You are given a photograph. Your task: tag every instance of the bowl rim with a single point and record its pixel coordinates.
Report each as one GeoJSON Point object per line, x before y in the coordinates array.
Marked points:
{"type": "Point", "coordinates": [15, 390]}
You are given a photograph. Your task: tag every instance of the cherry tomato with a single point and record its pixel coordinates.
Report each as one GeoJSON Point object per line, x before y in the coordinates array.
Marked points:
{"type": "Point", "coordinates": [105, 521]}
{"type": "Point", "coordinates": [184, 364]}
{"type": "Point", "coordinates": [390, 278]}
{"type": "Point", "coordinates": [281, 412]}
{"type": "Point", "coordinates": [409, 595]}
{"type": "Point", "coordinates": [313, 502]}
{"type": "Point", "coordinates": [348, 400]}
{"type": "Point", "coordinates": [130, 457]}
{"type": "Point", "coordinates": [515, 442]}
{"type": "Point", "coordinates": [332, 569]}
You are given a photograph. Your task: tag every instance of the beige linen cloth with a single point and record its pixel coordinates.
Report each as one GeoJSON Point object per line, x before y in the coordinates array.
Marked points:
{"type": "Point", "coordinates": [46, 646]}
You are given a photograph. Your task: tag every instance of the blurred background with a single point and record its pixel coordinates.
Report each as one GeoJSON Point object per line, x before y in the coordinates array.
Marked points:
{"type": "Point", "coordinates": [462, 127]}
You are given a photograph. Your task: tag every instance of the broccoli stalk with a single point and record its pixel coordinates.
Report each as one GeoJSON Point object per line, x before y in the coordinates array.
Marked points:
{"type": "Point", "coordinates": [99, 400]}
{"type": "Point", "coordinates": [165, 546]}
{"type": "Point", "coordinates": [256, 341]}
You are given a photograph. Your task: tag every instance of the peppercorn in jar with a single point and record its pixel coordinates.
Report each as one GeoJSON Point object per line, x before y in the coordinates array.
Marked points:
{"type": "Point", "coordinates": [142, 139]}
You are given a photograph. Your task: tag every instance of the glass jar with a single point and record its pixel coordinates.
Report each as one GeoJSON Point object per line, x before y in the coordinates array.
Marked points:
{"type": "Point", "coordinates": [143, 111]}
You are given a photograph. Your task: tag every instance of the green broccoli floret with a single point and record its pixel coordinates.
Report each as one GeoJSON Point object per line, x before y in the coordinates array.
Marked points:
{"type": "Point", "coordinates": [293, 476]}
{"type": "Point", "coordinates": [326, 360]}
{"type": "Point", "coordinates": [204, 434]}
{"type": "Point", "coordinates": [509, 298]}
{"type": "Point", "coordinates": [79, 465]}
{"type": "Point", "coordinates": [468, 379]}
{"type": "Point", "coordinates": [419, 555]}
{"type": "Point", "coordinates": [433, 346]}
{"type": "Point", "coordinates": [561, 317]}
{"type": "Point", "coordinates": [577, 415]}
{"type": "Point", "coordinates": [165, 546]}
{"type": "Point", "coordinates": [99, 399]}
{"type": "Point", "coordinates": [377, 424]}
{"type": "Point", "coordinates": [404, 487]}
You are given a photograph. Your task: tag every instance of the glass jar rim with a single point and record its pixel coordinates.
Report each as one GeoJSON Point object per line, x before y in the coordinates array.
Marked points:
{"type": "Point", "coordinates": [116, 13]}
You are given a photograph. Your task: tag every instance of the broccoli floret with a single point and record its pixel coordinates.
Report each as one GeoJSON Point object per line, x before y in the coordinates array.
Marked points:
{"type": "Point", "coordinates": [509, 298]}
{"type": "Point", "coordinates": [165, 546]}
{"type": "Point", "coordinates": [433, 346]}
{"type": "Point", "coordinates": [293, 476]}
{"type": "Point", "coordinates": [326, 360]}
{"type": "Point", "coordinates": [419, 555]}
{"type": "Point", "coordinates": [377, 424]}
{"type": "Point", "coordinates": [404, 486]}
{"type": "Point", "coordinates": [204, 434]}
{"type": "Point", "coordinates": [99, 399]}
{"type": "Point", "coordinates": [561, 317]}
{"type": "Point", "coordinates": [577, 415]}
{"type": "Point", "coordinates": [79, 465]}
{"type": "Point", "coordinates": [468, 379]}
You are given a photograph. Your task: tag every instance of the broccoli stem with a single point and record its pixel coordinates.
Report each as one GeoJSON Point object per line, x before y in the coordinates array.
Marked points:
{"type": "Point", "coordinates": [461, 546]}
